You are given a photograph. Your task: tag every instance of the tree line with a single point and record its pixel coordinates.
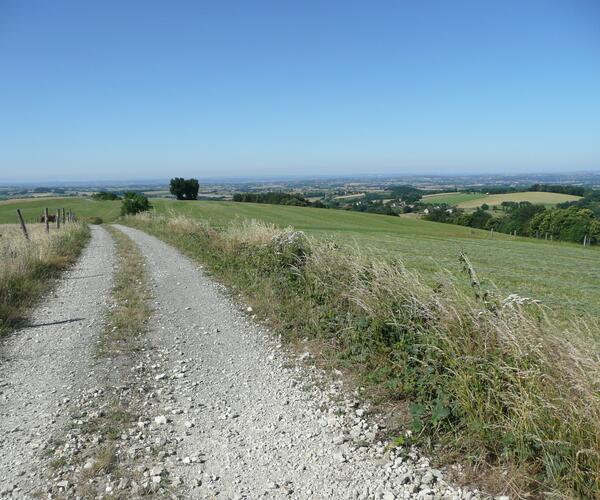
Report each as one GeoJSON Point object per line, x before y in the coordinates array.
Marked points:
{"type": "Point", "coordinates": [547, 188]}
{"type": "Point", "coordinates": [575, 222]}
{"type": "Point", "coordinates": [273, 198]}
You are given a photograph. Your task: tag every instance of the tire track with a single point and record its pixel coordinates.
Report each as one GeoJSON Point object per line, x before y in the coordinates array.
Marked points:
{"type": "Point", "coordinates": [48, 360]}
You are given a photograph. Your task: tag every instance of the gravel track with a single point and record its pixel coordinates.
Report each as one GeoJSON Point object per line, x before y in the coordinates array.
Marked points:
{"type": "Point", "coordinates": [248, 419]}
{"type": "Point", "coordinates": [45, 363]}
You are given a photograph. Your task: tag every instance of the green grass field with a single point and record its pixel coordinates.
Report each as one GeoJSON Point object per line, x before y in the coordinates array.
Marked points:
{"type": "Point", "coordinates": [536, 197]}
{"type": "Point", "coordinates": [451, 198]}
{"type": "Point", "coordinates": [32, 209]}
{"type": "Point", "coordinates": [564, 276]}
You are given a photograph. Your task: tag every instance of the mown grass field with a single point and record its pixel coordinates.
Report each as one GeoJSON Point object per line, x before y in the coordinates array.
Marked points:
{"type": "Point", "coordinates": [536, 197]}
{"type": "Point", "coordinates": [565, 276]}
{"type": "Point", "coordinates": [451, 198]}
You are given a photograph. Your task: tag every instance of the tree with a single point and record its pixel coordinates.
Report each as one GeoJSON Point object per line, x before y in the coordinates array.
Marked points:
{"type": "Point", "coordinates": [134, 203]}
{"type": "Point", "coordinates": [184, 189]}
{"type": "Point", "coordinates": [405, 193]}
{"type": "Point", "coordinates": [568, 224]}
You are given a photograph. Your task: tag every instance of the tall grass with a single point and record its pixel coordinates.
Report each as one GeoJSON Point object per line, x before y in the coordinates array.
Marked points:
{"type": "Point", "coordinates": [27, 267]}
{"type": "Point", "coordinates": [491, 377]}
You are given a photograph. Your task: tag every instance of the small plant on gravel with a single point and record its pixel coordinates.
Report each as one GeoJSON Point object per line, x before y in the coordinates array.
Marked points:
{"type": "Point", "coordinates": [500, 385]}
{"type": "Point", "coordinates": [104, 461]}
{"type": "Point", "coordinates": [57, 463]}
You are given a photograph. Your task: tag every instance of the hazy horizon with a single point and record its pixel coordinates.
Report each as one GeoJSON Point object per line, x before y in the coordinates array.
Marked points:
{"type": "Point", "coordinates": [116, 90]}
{"type": "Point", "coordinates": [48, 181]}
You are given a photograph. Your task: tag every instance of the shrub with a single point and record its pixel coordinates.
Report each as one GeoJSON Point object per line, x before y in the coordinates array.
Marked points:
{"type": "Point", "coordinates": [95, 220]}
{"type": "Point", "coordinates": [134, 203]}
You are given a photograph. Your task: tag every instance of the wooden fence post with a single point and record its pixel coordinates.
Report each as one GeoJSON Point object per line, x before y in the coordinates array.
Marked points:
{"type": "Point", "coordinates": [46, 221]}
{"type": "Point", "coordinates": [58, 219]}
{"type": "Point", "coordinates": [23, 226]}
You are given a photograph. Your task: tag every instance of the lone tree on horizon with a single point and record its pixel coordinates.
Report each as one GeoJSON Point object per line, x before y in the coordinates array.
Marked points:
{"type": "Point", "coordinates": [184, 189]}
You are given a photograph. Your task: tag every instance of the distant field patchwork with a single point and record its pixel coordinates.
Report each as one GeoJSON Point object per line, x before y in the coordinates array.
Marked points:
{"type": "Point", "coordinates": [451, 198]}
{"type": "Point", "coordinates": [474, 200]}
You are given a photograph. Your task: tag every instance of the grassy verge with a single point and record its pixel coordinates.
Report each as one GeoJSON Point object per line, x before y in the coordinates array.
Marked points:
{"type": "Point", "coordinates": [28, 268]}
{"type": "Point", "coordinates": [127, 320]}
{"type": "Point", "coordinates": [491, 378]}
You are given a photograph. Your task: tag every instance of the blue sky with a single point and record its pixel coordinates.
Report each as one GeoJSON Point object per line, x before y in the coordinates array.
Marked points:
{"type": "Point", "coordinates": [150, 89]}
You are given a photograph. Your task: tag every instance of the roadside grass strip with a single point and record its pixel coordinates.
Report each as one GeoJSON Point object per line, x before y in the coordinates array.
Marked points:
{"type": "Point", "coordinates": [127, 318]}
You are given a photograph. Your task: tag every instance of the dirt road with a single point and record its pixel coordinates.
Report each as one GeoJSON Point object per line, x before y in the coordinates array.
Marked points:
{"type": "Point", "coordinates": [223, 410]}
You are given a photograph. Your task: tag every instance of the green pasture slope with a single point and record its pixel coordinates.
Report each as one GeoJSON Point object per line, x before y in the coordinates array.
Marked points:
{"type": "Point", "coordinates": [564, 276]}
{"type": "Point", "coordinates": [32, 208]}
